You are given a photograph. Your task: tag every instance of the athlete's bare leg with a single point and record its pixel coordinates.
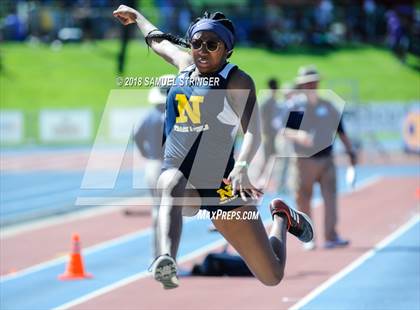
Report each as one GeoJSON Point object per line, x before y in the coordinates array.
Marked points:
{"type": "Point", "coordinates": [264, 255]}
{"type": "Point", "coordinates": [171, 185]}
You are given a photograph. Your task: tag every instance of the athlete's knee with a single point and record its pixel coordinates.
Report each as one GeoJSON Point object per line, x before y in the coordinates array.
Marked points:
{"type": "Point", "coordinates": [171, 185]}
{"type": "Point", "coordinates": [273, 280]}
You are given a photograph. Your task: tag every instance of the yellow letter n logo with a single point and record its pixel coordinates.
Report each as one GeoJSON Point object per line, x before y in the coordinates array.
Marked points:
{"type": "Point", "coordinates": [226, 192]}
{"type": "Point", "coordinates": [192, 112]}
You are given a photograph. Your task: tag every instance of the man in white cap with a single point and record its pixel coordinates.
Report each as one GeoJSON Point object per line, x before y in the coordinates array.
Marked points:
{"type": "Point", "coordinates": [148, 139]}
{"type": "Point", "coordinates": [314, 165]}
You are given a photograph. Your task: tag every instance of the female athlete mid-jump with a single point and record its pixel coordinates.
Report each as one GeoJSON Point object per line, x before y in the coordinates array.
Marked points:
{"type": "Point", "coordinates": [198, 162]}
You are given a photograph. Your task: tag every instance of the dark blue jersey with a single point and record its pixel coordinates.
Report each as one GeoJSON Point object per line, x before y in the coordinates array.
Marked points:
{"type": "Point", "coordinates": [200, 127]}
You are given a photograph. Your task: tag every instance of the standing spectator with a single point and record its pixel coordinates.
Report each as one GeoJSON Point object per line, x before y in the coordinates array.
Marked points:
{"type": "Point", "coordinates": [283, 146]}
{"type": "Point", "coordinates": [269, 116]}
{"type": "Point", "coordinates": [324, 14]}
{"type": "Point", "coordinates": [369, 8]}
{"type": "Point", "coordinates": [272, 115]}
{"type": "Point", "coordinates": [269, 111]}
{"type": "Point", "coordinates": [319, 128]}
{"type": "Point", "coordinates": [125, 38]}
{"type": "Point", "coordinates": [167, 15]}
{"type": "Point", "coordinates": [397, 37]}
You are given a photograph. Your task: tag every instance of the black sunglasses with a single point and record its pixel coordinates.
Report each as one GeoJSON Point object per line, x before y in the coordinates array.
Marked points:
{"type": "Point", "coordinates": [211, 45]}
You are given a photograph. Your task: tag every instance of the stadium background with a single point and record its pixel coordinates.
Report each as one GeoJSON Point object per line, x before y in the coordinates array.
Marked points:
{"type": "Point", "coordinates": [64, 54]}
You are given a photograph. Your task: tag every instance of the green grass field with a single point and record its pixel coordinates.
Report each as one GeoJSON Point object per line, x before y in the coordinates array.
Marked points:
{"type": "Point", "coordinates": [80, 75]}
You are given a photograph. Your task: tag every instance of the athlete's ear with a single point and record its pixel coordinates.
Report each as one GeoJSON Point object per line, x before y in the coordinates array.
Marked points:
{"type": "Point", "coordinates": [229, 53]}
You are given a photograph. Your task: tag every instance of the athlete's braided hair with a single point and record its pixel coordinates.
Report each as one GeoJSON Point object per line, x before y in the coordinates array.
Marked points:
{"type": "Point", "coordinates": [166, 36]}
{"type": "Point", "coordinates": [217, 16]}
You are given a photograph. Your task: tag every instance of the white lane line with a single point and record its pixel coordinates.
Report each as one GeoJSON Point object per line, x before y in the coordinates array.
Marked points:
{"type": "Point", "coordinates": [338, 276]}
{"type": "Point", "coordinates": [138, 276]}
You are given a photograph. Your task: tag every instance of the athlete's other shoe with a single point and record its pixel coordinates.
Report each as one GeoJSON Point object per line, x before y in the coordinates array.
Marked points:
{"type": "Point", "coordinates": [164, 270]}
{"type": "Point", "coordinates": [298, 223]}
{"type": "Point", "coordinates": [336, 243]}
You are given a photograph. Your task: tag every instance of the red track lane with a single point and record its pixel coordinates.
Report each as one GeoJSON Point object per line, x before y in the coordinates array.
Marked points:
{"type": "Point", "coordinates": [37, 246]}
{"type": "Point", "coordinates": [367, 217]}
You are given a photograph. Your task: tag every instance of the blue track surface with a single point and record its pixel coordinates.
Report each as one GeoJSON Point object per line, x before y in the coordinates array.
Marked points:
{"type": "Point", "coordinates": [130, 256]}
{"type": "Point", "coordinates": [25, 196]}
{"type": "Point", "coordinates": [388, 280]}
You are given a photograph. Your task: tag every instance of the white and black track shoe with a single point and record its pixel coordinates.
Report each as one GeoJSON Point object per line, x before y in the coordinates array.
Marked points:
{"type": "Point", "coordinates": [164, 270]}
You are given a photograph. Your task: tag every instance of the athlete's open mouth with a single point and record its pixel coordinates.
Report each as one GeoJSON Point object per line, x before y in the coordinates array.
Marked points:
{"type": "Point", "coordinates": [203, 61]}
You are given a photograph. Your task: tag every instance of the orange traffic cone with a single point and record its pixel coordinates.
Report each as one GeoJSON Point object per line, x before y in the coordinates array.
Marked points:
{"type": "Point", "coordinates": [75, 268]}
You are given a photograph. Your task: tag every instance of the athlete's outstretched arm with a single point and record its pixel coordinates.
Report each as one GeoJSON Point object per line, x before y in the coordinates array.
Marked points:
{"type": "Point", "coordinates": [240, 85]}
{"type": "Point", "coordinates": [167, 50]}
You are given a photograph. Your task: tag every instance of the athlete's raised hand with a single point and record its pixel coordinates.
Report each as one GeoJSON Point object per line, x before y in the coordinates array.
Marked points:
{"type": "Point", "coordinates": [126, 15]}
{"type": "Point", "coordinates": [166, 49]}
